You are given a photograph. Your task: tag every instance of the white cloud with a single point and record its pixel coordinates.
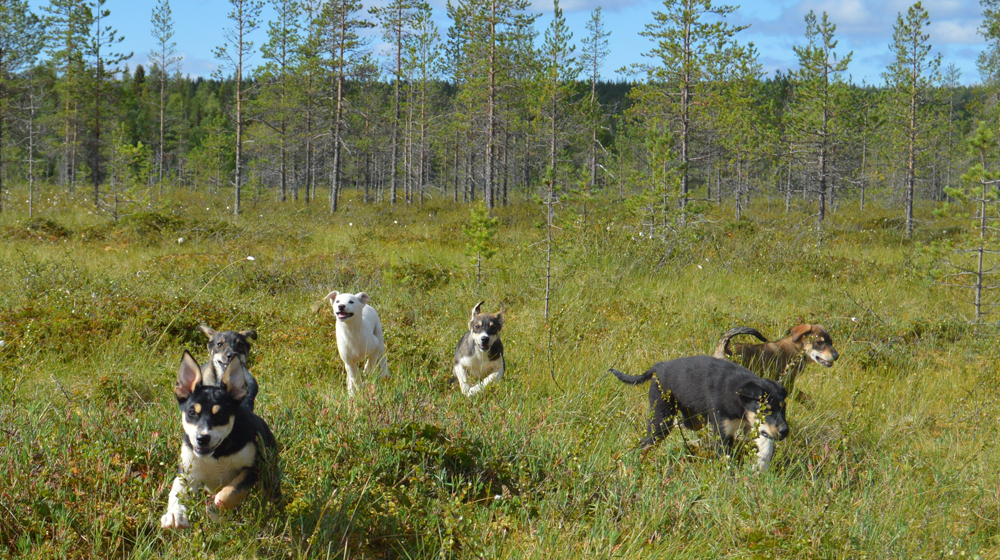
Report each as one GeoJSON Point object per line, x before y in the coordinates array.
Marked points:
{"type": "Point", "coordinates": [956, 32]}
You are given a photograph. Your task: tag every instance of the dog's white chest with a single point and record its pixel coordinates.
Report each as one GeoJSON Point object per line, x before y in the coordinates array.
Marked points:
{"type": "Point", "coordinates": [360, 338]}
{"type": "Point", "coordinates": [216, 473]}
{"type": "Point", "coordinates": [478, 365]}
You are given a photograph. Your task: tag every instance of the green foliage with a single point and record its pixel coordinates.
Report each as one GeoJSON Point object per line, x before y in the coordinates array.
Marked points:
{"type": "Point", "coordinates": [480, 232]}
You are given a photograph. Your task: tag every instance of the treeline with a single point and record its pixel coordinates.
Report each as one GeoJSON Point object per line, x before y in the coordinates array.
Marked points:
{"type": "Point", "coordinates": [500, 104]}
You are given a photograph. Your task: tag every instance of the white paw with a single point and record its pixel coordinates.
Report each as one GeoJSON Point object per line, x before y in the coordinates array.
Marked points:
{"type": "Point", "coordinates": [174, 520]}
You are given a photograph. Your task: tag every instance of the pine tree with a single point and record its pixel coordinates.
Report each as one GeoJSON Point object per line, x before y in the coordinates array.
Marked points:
{"type": "Point", "coordinates": [818, 93]}
{"type": "Point", "coordinates": [275, 103]}
{"type": "Point", "coordinates": [343, 46]}
{"type": "Point", "coordinates": [691, 42]}
{"type": "Point", "coordinates": [594, 51]}
{"type": "Point", "coordinates": [743, 113]}
{"type": "Point", "coordinates": [165, 60]}
{"type": "Point", "coordinates": [480, 232]}
{"type": "Point", "coordinates": [68, 23]}
{"type": "Point", "coordinates": [911, 75]}
{"type": "Point", "coordinates": [21, 40]}
{"type": "Point", "coordinates": [234, 55]}
{"type": "Point", "coordinates": [102, 38]}
{"type": "Point", "coordinates": [395, 19]}
{"type": "Point", "coordinates": [982, 191]}
{"type": "Point", "coordinates": [425, 59]}
{"type": "Point", "coordinates": [560, 74]}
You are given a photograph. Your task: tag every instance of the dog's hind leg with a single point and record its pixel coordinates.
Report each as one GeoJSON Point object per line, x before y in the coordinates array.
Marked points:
{"type": "Point", "coordinates": [664, 412]}
{"type": "Point", "coordinates": [384, 363]}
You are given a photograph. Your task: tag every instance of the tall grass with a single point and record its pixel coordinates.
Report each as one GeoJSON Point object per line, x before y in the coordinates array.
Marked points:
{"type": "Point", "coordinates": [893, 458]}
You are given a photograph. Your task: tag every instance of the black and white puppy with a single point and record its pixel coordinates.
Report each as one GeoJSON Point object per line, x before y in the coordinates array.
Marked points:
{"type": "Point", "coordinates": [223, 348]}
{"type": "Point", "coordinates": [219, 446]}
{"type": "Point", "coordinates": [701, 389]}
{"type": "Point", "coordinates": [479, 356]}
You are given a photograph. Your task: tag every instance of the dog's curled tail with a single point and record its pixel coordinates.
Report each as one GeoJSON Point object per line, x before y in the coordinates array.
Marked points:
{"type": "Point", "coordinates": [722, 349]}
{"type": "Point", "coordinates": [632, 379]}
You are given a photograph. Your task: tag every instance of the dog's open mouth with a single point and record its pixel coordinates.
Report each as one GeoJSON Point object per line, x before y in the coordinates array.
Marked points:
{"type": "Point", "coordinates": [822, 362]}
{"type": "Point", "coordinates": [344, 315]}
{"type": "Point", "coordinates": [203, 451]}
{"type": "Point", "coordinates": [484, 345]}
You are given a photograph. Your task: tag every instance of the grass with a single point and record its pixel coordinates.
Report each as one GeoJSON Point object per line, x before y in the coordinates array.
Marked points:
{"type": "Point", "coordinates": [894, 459]}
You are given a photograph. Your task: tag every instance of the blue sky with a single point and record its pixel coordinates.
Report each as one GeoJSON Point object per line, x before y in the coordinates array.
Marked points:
{"type": "Point", "coordinates": [863, 26]}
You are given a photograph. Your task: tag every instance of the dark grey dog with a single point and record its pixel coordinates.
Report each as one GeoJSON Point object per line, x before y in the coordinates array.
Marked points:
{"type": "Point", "coordinates": [223, 348]}
{"type": "Point", "coordinates": [700, 389]}
{"type": "Point", "coordinates": [479, 356]}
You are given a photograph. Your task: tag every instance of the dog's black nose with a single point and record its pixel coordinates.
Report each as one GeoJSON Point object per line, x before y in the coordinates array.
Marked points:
{"type": "Point", "coordinates": [783, 431]}
{"type": "Point", "coordinates": [836, 355]}
{"type": "Point", "coordinates": [230, 354]}
{"type": "Point", "coordinates": [203, 440]}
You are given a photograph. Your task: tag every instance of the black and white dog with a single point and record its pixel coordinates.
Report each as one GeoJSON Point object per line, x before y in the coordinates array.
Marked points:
{"type": "Point", "coordinates": [700, 389]}
{"type": "Point", "coordinates": [479, 356]}
{"type": "Point", "coordinates": [223, 348]}
{"type": "Point", "coordinates": [219, 448]}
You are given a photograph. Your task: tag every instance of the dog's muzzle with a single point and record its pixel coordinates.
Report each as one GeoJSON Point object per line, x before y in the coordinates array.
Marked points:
{"type": "Point", "coordinates": [781, 434]}
{"type": "Point", "coordinates": [341, 315]}
{"type": "Point", "coordinates": [822, 362]}
{"type": "Point", "coordinates": [484, 344]}
{"type": "Point", "coordinates": [201, 447]}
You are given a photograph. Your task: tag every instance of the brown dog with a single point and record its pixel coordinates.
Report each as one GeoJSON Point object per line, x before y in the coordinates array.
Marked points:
{"type": "Point", "coordinates": [784, 359]}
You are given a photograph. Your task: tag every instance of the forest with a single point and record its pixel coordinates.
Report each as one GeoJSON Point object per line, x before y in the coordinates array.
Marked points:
{"type": "Point", "coordinates": [499, 104]}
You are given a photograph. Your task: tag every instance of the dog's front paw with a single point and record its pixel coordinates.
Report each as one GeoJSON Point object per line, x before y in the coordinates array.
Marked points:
{"type": "Point", "coordinates": [174, 520]}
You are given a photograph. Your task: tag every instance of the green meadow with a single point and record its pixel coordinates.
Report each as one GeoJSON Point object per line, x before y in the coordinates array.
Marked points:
{"type": "Point", "coordinates": [895, 455]}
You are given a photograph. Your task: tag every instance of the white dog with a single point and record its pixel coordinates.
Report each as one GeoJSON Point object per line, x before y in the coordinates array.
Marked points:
{"type": "Point", "coordinates": [359, 336]}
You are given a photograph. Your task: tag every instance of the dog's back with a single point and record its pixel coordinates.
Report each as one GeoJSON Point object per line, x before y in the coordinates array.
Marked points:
{"type": "Point", "coordinates": [703, 384]}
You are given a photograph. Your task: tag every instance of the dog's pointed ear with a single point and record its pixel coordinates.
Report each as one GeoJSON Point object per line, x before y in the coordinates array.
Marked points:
{"type": "Point", "coordinates": [800, 331]}
{"type": "Point", "coordinates": [500, 313]}
{"type": "Point", "coordinates": [188, 377]}
{"type": "Point", "coordinates": [209, 331]}
{"type": "Point", "coordinates": [750, 395]}
{"type": "Point", "coordinates": [475, 311]}
{"type": "Point", "coordinates": [235, 380]}
{"type": "Point", "coordinates": [364, 297]}
{"type": "Point", "coordinates": [331, 296]}
{"type": "Point", "coordinates": [251, 334]}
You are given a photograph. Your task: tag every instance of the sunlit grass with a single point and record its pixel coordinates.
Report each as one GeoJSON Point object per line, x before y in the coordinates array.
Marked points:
{"type": "Point", "coordinates": [893, 458]}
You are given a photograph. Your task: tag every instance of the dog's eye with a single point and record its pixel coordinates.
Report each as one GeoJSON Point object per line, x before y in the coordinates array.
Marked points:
{"type": "Point", "coordinates": [192, 413]}
{"type": "Point", "coordinates": [218, 344]}
{"type": "Point", "coordinates": [351, 302]}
